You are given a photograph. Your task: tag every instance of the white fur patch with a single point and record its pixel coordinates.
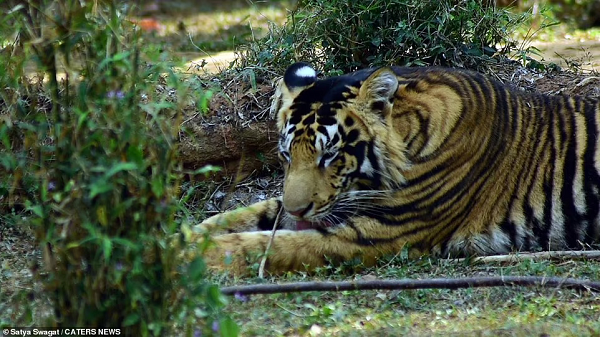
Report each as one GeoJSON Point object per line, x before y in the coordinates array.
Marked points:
{"type": "Point", "coordinates": [306, 71]}
{"type": "Point", "coordinates": [331, 130]}
{"type": "Point", "coordinates": [288, 141]}
{"type": "Point", "coordinates": [366, 168]}
{"type": "Point", "coordinates": [287, 130]}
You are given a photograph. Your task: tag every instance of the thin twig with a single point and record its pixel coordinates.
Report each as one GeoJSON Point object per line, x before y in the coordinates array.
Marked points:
{"type": "Point", "coordinates": [518, 257]}
{"type": "Point", "coordinates": [446, 283]}
{"type": "Point", "coordinates": [263, 262]}
{"type": "Point", "coordinates": [289, 311]}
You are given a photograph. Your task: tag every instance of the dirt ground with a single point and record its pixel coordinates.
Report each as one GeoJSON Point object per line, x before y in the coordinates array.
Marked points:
{"type": "Point", "coordinates": [571, 52]}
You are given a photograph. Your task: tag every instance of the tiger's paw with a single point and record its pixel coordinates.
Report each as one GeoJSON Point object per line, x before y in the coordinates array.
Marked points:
{"type": "Point", "coordinates": [236, 254]}
{"type": "Point", "coordinates": [259, 216]}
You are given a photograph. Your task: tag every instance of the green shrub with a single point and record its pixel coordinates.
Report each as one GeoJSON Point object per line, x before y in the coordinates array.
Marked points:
{"type": "Point", "coordinates": [91, 158]}
{"type": "Point", "coordinates": [583, 14]}
{"type": "Point", "coordinates": [345, 35]}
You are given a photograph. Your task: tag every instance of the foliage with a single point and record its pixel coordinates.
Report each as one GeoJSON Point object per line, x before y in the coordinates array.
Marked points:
{"type": "Point", "coordinates": [89, 159]}
{"type": "Point", "coordinates": [344, 35]}
{"type": "Point", "coordinates": [581, 13]}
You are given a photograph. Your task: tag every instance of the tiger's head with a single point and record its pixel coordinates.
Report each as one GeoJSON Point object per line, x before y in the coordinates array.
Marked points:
{"type": "Point", "coordinates": [335, 142]}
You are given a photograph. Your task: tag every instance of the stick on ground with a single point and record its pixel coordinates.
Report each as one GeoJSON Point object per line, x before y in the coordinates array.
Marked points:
{"type": "Point", "coordinates": [263, 262]}
{"type": "Point", "coordinates": [518, 257]}
{"type": "Point", "coordinates": [469, 282]}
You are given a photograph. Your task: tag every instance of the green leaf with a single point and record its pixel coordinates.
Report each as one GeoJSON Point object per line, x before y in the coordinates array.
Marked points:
{"type": "Point", "coordinates": [104, 63]}
{"type": "Point", "coordinates": [158, 186]}
{"type": "Point", "coordinates": [125, 243]}
{"type": "Point", "coordinates": [136, 155]}
{"type": "Point", "coordinates": [79, 243]}
{"type": "Point", "coordinates": [8, 161]}
{"type": "Point", "coordinates": [376, 41]}
{"type": "Point", "coordinates": [100, 186]}
{"type": "Point", "coordinates": [82, 119]}
{"type": "Point", "coordinates": [107, 248]}
{"type": "Point", "coordinates": [131, 319]}
{"type": "Point", "coordinates": [196, 269]}
{"type": "Point", "coordinates": [214, 296]}
{"type": "Point", "coordinates": [122, 166]}
{"type": "Point", "coordinates": [207, 169]}
{"type": "Point", "coordinates": [205, 99]}
{"type": "Point", "coordinates": [121, 56]}
{"type": "Point", "coordinates": [228, 327]}
{"type": "Point", "coordinates": [36, 209]}
{"type": "Point", "coordinates": [4, 134]}
{"type": "Point", "coordinates": [252, 76]}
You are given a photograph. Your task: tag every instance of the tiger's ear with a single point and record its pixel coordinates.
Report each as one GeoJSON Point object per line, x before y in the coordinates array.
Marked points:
{"type": "Point", "coordinates": [298, 77]}
{"type": "Point", "coordinates": [379, 88]}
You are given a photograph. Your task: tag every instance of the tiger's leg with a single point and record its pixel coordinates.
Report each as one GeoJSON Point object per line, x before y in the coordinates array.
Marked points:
{"type": "Point", "coordinates": [260, 215]}
{"type": "Point", "coordinates": [292, 250]}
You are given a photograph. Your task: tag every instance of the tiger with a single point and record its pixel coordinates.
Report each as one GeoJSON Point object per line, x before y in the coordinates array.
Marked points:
{"type": "Point", "coordinates": [432, 161]}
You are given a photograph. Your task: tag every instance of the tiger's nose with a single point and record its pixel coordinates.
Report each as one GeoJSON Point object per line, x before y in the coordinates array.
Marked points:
{"type": "Point", "coordinates": [301, 211]}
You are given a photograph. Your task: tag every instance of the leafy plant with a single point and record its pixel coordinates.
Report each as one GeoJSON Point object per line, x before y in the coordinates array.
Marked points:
{"type": "Point", "coordinates": [343, 35]}
{"type": "Point", "coordinates": [90, 158]}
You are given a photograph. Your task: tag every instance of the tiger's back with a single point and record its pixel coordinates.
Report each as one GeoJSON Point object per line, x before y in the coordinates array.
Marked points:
{"type": "Point", "coordinates": [445, 161]}
{"type": "Point", "coordinates": [502, 170]}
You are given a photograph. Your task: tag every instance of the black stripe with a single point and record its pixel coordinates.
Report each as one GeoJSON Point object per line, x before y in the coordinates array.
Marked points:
{"type": "Point", "coordinates": [515, 112]}
{"type": "Point", "coordinates": [348, 121]}
{"type": "Point", "coordinates": [265, 222]}
{"type": "Point", "coordinates": [459, 219]}
{"type": "Point", "coordinates": [297, 113]}
{"type": "Point", "coordinates": [323, 131]}
{"type": "Point", "coordinates": [509, 228]}
{"type": "Point", "coordinates": [538, 228]}
{"type": "Point", "coordinates": [377, 106]}
{"type": "Point", "coordinates": [540, 125]}
{"type": "Point", "coordinates": [529, 215]}
{"type": "Point", "coordinates": [328, 110]}
{"type": "Point", "coordinates": [469, 104]}
{"type": "Point", "coordinates": [363, 241]}
{"type": "Point", "coordinates": [529, 147]}
{"type": "Point", "coordinates": [572, 219]}
{"type": "Point", "coordinates": [310, 119]}
{"type": "Point", "coordinates": [352, 136]}
{"type": "Point", "coordinates": [335, 139]}
{"type": "Point", "coordinates": [591, 179]}
{"type": "Point", "coordinates": [326, 120]}
{"type": "Point", "coordinates": [548, 185]}
{"type": "Point", "coordinates": [423, 133]}
{"type": "Point", "coordinates": [372, 158]}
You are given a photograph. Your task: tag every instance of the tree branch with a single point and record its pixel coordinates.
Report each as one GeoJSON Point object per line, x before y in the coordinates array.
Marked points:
{"type": "Point", "coordinates": [468, 282]}
{"type": "Point", "coordinates": [518, 257]}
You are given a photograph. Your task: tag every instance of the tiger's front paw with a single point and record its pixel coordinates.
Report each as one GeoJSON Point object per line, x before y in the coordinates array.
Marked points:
{"type": "Point", "coordinates": [259, 216]}
{"type": "Point", "coordinates": [237, 254]}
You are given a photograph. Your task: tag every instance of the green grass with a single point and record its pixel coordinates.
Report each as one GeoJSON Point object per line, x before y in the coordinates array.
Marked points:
{"type": "Point", "coordinates": [501, 311]}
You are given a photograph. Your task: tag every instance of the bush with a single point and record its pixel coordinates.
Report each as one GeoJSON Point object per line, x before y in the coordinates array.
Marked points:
{"type": "Point", "coordinates": [345, 35]}
{"type": "Point", "coordinates": [91, 159]}
{"type": "Point", "coordinates": [581, 13]}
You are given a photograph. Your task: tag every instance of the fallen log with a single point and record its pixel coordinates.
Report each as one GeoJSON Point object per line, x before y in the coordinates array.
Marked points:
{"type": "Point", "coordinates": [239, 150]}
